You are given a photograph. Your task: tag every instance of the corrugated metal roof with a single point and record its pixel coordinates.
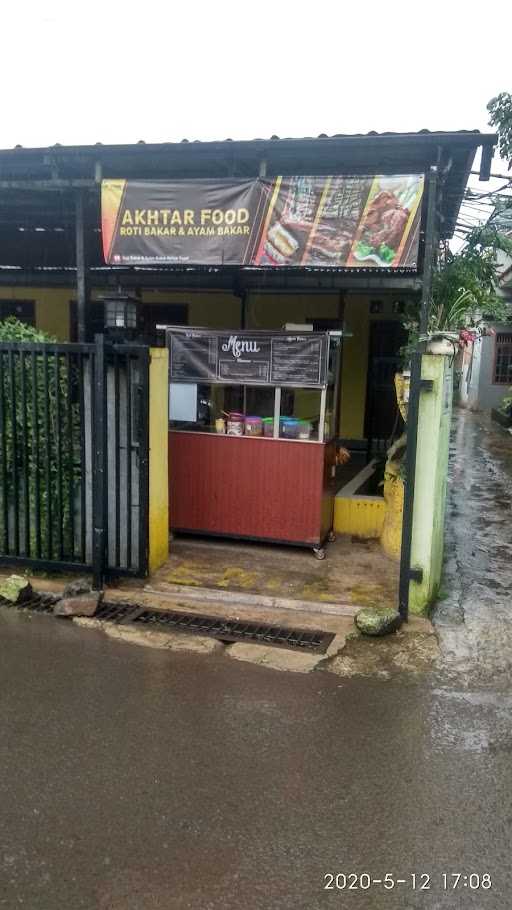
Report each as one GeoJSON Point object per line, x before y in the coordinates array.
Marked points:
{"type": "Point", "coordinates": [486, 138]}
{"type": "Point", "coordinates": [22, 170]}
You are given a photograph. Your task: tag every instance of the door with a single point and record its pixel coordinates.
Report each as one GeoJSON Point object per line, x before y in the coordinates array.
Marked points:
{"type": "Point", "coordinates": [386, 339]}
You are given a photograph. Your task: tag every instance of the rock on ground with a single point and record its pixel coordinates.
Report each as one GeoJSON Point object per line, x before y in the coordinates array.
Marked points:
{"type": "Point", "coordinates": [15, 589]}
{"type": "Point", "coordinates": [374, 621]}
{"type": "Point", "coordinates": [81, 605]}
{"type": "Point", "coordinates": [76, 588]}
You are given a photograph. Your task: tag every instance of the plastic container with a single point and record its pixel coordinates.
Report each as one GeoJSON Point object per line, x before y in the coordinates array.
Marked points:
{"type": "Point", "coordinates": [220, 425]}
{"type": "Point", "coordinates": [268, 426]}
{"type": "Point", "coordinates": [253, 426]}
{"type": "Point", "coordinates": [235, 424]}
{"type": "Point", "coordinates": [289, 427]}
{"type": "Point", "coordinates": [304, 429]}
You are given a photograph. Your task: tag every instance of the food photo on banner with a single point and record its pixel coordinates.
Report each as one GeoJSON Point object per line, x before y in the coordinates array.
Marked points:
{"type": "Point", "coordinates": [337, 222]}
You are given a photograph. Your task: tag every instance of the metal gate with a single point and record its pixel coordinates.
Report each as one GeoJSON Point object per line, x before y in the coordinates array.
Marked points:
{"type": "Point", "coordinates": [74, 457]}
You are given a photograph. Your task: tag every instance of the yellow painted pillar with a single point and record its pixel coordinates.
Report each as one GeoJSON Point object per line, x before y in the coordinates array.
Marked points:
{"type": "Point", "coordinates": [158, 457]}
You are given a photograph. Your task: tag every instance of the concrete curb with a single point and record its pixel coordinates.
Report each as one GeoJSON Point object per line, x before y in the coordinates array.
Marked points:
{"type": "Point", "coordinates": [213, 595]}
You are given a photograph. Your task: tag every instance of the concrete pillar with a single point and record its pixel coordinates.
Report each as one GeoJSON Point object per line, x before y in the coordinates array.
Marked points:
{"type": "Point", "coordinates": [435, 411]}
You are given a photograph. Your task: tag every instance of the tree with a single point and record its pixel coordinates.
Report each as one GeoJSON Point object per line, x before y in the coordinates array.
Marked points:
{"type": "Point", "coordinates": [464, 289]}
{"type": "Point", "coordinates": [500, 109]}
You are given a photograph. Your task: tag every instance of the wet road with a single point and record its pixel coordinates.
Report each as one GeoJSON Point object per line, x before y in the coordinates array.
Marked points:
{"type": "Point", "coordinates": [474, 615]}
{"type": "Point", "coordinates": [134, 779]}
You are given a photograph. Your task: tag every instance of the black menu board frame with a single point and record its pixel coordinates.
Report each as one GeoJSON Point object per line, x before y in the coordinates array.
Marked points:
{"type": "Point", "coordinates": [245, 357]}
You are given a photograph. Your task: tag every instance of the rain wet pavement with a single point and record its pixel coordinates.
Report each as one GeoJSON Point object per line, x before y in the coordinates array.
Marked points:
{"type": "Point", "coordinates": [137, 779]}
{"type": "Point", "coordinates": [474, 615]}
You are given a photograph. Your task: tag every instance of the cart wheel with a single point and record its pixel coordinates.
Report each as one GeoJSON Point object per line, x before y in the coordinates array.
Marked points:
{"type": "Point", "coordinates": [331, 537]}
{"type": "Point", "coordinates": [319, 552]}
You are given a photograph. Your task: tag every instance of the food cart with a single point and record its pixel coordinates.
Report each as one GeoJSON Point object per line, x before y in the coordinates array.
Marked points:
{"type": "Point", "coordinates": [252, 425]}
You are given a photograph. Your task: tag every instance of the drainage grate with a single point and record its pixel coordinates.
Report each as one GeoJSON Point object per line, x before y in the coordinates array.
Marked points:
{"type": "Point", "coordinates": [213, 626]}
{"type": "Point", "coordinates": [116, 612]}
{"type": "Point", "coordinates": [38, 603]}
{"type": "Point", "coordinates": [232, 630]}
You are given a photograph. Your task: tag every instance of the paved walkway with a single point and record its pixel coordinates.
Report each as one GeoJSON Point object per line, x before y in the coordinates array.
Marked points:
{"type": "Point", "coordinates": [474, 614]}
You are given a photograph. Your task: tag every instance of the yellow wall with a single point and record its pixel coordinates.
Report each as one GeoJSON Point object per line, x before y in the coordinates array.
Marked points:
{"type": "Point", "coordinates": [360, 516]}
{"type": "Point", "coordinates": [158, 458]}
{"type": "Point", "coordinates": [263, 311]}
{"type": "Point", "coordinates": [355, 366]}
{"type": "Point", "coordinates": [271, 311]}
{"type": "Point", "coordinates": [206, 308]}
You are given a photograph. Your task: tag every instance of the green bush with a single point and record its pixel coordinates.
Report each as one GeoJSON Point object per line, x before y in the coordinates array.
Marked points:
{"type": "Point", "coordinates": [12, 329]}
{"type": "Point", "coordinates": [40, 433]}
{"type": "Point", "coordinates": [506, 404]}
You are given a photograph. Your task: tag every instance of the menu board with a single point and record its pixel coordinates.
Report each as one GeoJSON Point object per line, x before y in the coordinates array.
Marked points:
{"type": "Point", "coordinates": [297, 359]}
{"type": "Point", "coordinates": [244, 357]}
{"type": "Point", "coordinates": [193, 357]}
{"type": "Point", "coordinates": [248, 358]}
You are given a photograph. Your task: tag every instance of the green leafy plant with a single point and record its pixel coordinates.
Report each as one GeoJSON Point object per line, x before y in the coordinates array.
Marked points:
{"type": "Point", "coordinates": [41, 439]}
{"type": "Point", "coordinates": [500, 109]}
{"type": "Point", "coordinates": [464, 288]}
{"type": "Point", "coordinates": [12, 329]}
{"type": "Point", "coordinates": [506, 404]}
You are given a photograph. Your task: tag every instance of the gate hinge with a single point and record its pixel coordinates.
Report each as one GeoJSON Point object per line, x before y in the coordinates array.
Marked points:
{"type": "Point", "coordinates": [427, 385]}
{"type": "Point", "coordinates": [416, 574]}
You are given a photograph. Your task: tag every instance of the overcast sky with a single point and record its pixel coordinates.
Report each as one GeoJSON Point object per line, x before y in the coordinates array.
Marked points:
{"type": "Point", "coordinates": [77, 72]}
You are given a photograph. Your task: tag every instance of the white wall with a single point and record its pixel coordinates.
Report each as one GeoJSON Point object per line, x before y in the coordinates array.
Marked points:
{"type": "Point", "coordinates": [490, 394]}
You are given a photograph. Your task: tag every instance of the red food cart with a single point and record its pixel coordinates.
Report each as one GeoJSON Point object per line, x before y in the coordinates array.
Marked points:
{"type": "Point", "coordinates": [253, 417]}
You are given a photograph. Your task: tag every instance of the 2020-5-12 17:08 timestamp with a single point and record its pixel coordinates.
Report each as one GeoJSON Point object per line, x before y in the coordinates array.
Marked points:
{"type": "Point", "coordinates": [416, 881]}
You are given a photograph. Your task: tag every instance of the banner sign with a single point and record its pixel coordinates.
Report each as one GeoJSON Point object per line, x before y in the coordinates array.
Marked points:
{"type": "Point", "coordinates": [248, 358]}
{"type": "Point", "coordinates": [336, 222]}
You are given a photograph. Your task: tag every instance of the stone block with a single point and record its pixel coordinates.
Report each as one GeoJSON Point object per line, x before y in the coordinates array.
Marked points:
{"type": "Point", "coordinates": [374, 621]}
{"type": "Point", "coordinates": [81, 605]}
{"type": "Point", "coordinates": [15, 589]}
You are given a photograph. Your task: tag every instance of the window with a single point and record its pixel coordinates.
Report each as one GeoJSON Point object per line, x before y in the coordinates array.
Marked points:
{"type": "Point", "coordinates": [154, 314]}
{"type": "Point", "coordinates": [23, 310]}
{"type": "Point", "coordinates": [503, 359]}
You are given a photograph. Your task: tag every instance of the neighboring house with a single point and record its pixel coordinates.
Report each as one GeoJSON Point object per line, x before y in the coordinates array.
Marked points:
{"type": "Point", "coordinates": [487, 365]}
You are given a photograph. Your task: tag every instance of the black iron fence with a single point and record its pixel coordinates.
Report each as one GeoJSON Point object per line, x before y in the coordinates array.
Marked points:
{"type": "Point", "coordinates": [74, 456]}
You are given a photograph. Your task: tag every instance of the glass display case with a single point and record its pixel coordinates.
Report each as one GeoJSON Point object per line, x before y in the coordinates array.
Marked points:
{"type": "Point", "coordinates": [279, 411]}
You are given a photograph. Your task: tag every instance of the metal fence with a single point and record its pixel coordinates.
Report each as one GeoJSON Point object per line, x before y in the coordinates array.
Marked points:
{"type": "Point", "coordinates": [74, 456]}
